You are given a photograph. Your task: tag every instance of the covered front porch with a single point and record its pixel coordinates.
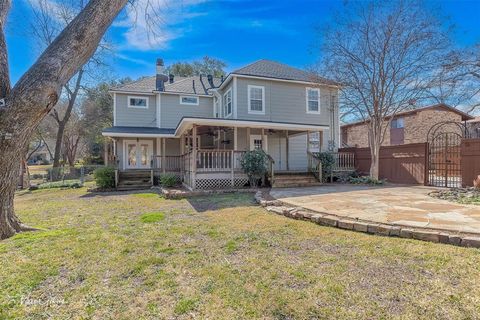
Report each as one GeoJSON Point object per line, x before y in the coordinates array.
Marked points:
{"type": "Point", "coordinates": [206, 154]}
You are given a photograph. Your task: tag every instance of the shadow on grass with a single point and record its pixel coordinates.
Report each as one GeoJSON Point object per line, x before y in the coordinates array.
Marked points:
{"type": "Point", "coordinates": [92, 194]}
{"type": "Point", "coordinates": [221, 201]}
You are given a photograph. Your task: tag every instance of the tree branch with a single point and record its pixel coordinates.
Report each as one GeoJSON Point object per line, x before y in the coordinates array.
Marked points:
{"type": "Point", "coordinates": [5, 86]}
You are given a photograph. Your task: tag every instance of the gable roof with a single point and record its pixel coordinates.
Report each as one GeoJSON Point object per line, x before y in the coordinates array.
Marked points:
{"type": "Point", "coordinates": [275, 70]}
{"type": "Point", "coordinates": [465, 116]}
{"type": "Point", "coordinates": [187, 85]}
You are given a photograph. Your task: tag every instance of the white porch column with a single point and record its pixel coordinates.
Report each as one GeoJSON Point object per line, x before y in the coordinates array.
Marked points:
{"type": "Point", "coordinates": [163, 155]}
{"type": "Point", "coordinates": [235, 140]}
{"type": "Point", "coordinates": [158, 142]}
{"type": "Point", "coordinates": [264, 142]}
{"type": "Point", "coordinates": [308, 141]}
{"type": "Point", "coordinates": [194, 156]}
{"type": "Point", "coordinates": [248, 139]}
{"type": "Point", "coordinates": [320, 141]}
{"type": "Point", "coordinates": [287, 151]}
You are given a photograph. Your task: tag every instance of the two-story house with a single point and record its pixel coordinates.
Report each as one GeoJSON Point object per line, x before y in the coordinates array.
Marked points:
{"type": "Point", "coordinates": [200, 126]}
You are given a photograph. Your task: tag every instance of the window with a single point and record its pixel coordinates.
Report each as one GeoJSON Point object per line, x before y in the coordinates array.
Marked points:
{"type": "Point", "coordinates": [313, 100]}
{"type": "Point", "coordinates": [397, 123]}
{"type": "Point", "coordinates": [315, 143]}
{"type": "Point", "coordinates": [256, 99]}
{"type": "Point", "coordinates": [191, 100]}
{"type": "Point", "coordinates": [257, 144]}
{"type": "Point", "coordinates": [138, 102]}
{"type": "Point", "coordinates": [227, 103]}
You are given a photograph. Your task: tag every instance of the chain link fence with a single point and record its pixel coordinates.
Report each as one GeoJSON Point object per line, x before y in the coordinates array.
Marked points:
{"type": "Point", "coordinates": [66, 175]}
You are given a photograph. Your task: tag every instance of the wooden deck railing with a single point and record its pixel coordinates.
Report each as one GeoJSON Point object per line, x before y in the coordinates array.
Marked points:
{"type": "Point", "coordinates": [219, 160]}
{"type": "Point", "coordinates": [314, 165]}
{"type": "Point", "coordinates": [344, 161]}
{"type": "Point", "coordinates": [214, 160]}
{"type": "Point", "coordinates": [171, 163]}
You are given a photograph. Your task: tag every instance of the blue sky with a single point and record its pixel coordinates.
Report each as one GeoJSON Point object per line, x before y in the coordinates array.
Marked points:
{"type": "Point", "coordinates": [237, 32]}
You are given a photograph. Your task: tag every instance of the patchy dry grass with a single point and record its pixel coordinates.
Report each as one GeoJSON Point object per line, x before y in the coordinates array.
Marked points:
{"type": "Point", "coordinates": [218, 257]}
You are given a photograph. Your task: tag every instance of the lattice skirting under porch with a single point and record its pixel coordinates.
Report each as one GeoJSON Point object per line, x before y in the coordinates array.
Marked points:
{"type": "Point", "coordinates": [215, 183]}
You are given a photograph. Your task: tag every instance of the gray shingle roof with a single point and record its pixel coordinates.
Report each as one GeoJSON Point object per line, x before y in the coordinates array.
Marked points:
{"type": "Point", "coordinates": [272, 69]}
{"type": "Point", "coordinates": [188, 85]}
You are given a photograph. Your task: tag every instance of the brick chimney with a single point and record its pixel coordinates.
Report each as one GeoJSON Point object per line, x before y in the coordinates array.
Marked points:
{"type": "Point", "coordinates": [161, 78]}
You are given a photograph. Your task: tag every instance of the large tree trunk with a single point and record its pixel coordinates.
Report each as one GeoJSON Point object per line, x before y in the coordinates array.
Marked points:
{"type": "Point", "coordinates": [38, 90]}
{"type": "Point", "coordinates": [375, 141]}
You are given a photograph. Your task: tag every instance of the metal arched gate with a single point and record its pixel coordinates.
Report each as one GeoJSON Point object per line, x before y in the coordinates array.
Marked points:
{"type": "Point", "coordinates": [444, 156]}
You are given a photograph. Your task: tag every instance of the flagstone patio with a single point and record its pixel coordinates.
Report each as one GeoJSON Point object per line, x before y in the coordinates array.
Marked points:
{"type": "Point", "coordinates": [397, 205]}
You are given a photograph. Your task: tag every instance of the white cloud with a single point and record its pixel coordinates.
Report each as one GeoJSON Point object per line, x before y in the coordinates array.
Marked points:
{"type": "Point", "coordinates": [151, 24]}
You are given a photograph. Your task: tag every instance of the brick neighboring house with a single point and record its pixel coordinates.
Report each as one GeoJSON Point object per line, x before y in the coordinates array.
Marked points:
{"type": "Point", "coordinates": [407, 127]}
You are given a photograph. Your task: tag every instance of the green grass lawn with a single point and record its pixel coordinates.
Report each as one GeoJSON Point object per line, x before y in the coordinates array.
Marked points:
{"type": "Point", "coordinates": [138, 256]}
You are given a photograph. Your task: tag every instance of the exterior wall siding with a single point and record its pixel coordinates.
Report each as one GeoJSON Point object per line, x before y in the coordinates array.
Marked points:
{"type": "Point", "coordinates": [286, 102]}
{"type": "Point", "coordinates": [171, 111]}
{"type": "Point", "coordinates": [135, 117]}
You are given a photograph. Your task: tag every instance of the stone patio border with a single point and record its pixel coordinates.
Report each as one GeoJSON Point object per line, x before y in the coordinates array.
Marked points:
{"type": "Point", "coordinates": [382, 229]}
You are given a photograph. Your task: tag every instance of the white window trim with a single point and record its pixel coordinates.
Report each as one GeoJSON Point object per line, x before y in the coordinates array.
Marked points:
{"type": "Point", "coordinates": [249, 100]}
{"type": "Point", "coordinates": [187, 103]}
{"type": "Point", "coordinates": [306, 99]}
{"type": "Point", "coordinates": [137, 97]}
{"type": "Point", "coordinates": [224, 103]}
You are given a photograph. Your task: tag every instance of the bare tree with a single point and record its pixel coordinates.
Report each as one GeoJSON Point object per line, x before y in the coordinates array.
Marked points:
{"type": "Point", "coordinates": [458, 82]}
{"type": "Point", "coordinates": [38, 90]}
{"type": "Point", "coordinates": [49, 19]}
{"type": "Point", "coordinates": [74, 133]}
{"type": "Point", "coordinates": [384, 55]}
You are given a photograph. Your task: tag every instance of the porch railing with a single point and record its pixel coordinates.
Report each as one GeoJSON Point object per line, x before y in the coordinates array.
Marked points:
{"type": "Point", "coordinates": [167, 163]}
{"type": "Point", "coordinates": [271, 169]}
{"type": "Point", "coordinates": [219, 160]}
{"type": "Point", "coordinates": [344, 161]}
{"type": "Point", "coordinates": [314, 165]}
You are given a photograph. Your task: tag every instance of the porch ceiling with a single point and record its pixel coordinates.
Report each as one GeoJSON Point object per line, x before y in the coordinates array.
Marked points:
{"type": "Point", "coordinates": [188, 122]}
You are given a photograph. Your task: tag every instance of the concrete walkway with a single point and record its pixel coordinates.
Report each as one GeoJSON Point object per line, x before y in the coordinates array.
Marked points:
{"type": "Point", "coordinates": [398, 205]}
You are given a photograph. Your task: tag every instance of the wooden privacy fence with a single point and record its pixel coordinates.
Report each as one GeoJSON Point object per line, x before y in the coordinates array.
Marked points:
{"type": "Point", "coordinates": [409, 163]}
{"type": "Point", "coordinates": [470, 161]}
{"type": "Point", "coordinates": [398, 164]}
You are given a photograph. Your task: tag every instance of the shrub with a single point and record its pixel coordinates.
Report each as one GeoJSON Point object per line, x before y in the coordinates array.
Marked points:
{"type": "Point", "coordinates": [105, 177]}
{"type": "Point", "coordinates": [168, 180]}
{"type": "Point", "coordinates": [328, 161]}
{"type": "Point", "coordinates": [254, 164]}
{"type": "Point", "coordinates": [365, 180]}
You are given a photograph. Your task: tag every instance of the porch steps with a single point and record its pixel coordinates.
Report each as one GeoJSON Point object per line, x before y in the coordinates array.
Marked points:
{"type": "Point", "coordinates": [295, 180]}
{"type": "Point", "coordinates": [134, 180]}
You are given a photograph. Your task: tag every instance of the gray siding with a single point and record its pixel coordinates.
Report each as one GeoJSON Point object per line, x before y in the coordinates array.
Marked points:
{"type": "Point", "coordinates": [286, 102]}
{"type": "Point", "coordinates": [135, 117]}
{"type": "Point", "coordinates": [171, 111]}
{"type": "Point", "coordinates": [297, 147]}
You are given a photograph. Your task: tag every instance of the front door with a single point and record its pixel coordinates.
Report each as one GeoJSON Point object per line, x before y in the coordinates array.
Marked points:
{"type": "Point", "coordinates": [138, 154]}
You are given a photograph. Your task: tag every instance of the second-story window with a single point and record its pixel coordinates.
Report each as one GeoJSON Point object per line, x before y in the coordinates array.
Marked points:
{"type": "Point", "coordinates": [397, 123]}
{"type": "Point", "coordinates": [189, 100]}
{"type": "Point", "coordinates": [256, 99]}
{"type": "Point", "coordinates": [313, 100]}
{"type": "Point", "coordinates": [227, 103]}
{"type": "Point", "coordinates": [138, 102]}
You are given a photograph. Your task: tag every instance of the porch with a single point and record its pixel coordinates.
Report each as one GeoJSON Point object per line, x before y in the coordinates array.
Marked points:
{"type": "Point", "coordinates": [207, 156]}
